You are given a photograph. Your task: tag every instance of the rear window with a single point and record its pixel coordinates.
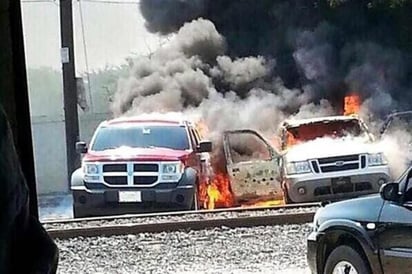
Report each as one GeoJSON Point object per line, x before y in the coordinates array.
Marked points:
{"type": "Point", "coordinates": [173, 137]}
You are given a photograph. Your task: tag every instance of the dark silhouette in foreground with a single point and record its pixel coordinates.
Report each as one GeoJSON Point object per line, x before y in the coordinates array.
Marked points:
{"type": "Point", "coordinates": [25, 247]}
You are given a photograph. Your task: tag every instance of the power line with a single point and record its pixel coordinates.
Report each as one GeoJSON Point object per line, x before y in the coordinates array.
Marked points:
{"type": "Point", "coordinates": [86, 56]}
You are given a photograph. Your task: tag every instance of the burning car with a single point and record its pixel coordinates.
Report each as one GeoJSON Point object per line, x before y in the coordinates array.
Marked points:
{"type": "Point", "coordinates": [135, 163]}
{"type": "Point", "coordinates": [254, 169]}
{"type": "Point", "coordinates": [327, 158]}
{"type": "Point", "coordinates": [330, 158]}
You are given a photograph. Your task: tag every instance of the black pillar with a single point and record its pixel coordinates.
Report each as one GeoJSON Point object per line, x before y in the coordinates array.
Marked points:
{"type": "Point", "coordinates": [69, 85]}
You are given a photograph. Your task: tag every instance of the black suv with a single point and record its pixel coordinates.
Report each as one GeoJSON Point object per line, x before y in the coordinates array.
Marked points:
{"type": "Point", "coordinates": [372, 234]}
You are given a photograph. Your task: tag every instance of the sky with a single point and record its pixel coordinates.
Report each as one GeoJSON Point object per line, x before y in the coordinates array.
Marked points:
{"type": "Point", "coordinates": [112, 32]}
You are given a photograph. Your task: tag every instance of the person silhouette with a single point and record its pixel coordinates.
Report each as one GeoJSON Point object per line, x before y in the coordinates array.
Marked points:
{"type": "Point", "coordinates": [25, 247]}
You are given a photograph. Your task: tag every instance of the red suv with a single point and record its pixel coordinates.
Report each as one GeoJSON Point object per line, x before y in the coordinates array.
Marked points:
{"type": "Point", "coordinates": [135, 164]}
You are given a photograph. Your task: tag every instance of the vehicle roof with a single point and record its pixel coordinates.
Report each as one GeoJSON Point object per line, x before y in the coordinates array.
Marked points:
{"type": "Point", "coordinates": [147, 119]}
{"type": "Point", "coordinates": [299, 122]}
{"type": "Point", "coordinates": [400, 113]}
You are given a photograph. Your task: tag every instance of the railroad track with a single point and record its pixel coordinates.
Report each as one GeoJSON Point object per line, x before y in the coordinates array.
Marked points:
{"type": "Point", "coordinates": [183, 220]}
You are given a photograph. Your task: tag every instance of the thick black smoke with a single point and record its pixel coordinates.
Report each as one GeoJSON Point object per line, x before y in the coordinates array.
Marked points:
{"type": "Point", "coordinates": [327, 51]}
{"type": "Point", "coordinates": [251, 64]}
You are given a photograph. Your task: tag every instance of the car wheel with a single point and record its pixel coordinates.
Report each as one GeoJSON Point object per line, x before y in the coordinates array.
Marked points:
{"type": "Point", "coordinates": [346, 260]}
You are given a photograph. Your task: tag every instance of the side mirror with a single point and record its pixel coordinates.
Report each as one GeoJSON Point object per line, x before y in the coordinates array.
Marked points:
{"type": "Point", "coordinates": [205, 146]}
{"type": "Point", "coordinates": [81, 147]}
{"type": "Point", "coordinates": [390, 192]}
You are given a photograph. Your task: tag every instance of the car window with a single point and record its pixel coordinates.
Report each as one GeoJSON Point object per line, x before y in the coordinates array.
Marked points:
{"type": "Point", "coordinates": [247, 147]}
{"type": "Point", "coordinates": [405, 186]}
{"type": "Point", "coordinates": [174, 137]}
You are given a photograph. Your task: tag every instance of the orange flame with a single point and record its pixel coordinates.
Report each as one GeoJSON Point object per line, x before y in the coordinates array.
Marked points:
{"type": "Point", "coordinates": [217, 193]}
{"type": "Point", "coordinates": [351, 104]}
{"type": "Point", "coordinates": [264, 203]}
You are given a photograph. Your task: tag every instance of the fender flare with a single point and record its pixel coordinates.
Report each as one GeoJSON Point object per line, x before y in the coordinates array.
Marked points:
{"type": "Point", "coordinates": [189, 177]}
{"type": "Point", "coordinates": [358, 232]}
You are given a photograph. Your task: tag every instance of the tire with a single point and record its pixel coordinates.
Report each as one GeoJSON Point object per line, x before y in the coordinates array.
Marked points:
{"type": "Point", "coordinates": [346, 256]}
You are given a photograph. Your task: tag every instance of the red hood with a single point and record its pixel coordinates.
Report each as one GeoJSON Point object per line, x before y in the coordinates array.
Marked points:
{"type": "Point", "coordinates": [136, 154]}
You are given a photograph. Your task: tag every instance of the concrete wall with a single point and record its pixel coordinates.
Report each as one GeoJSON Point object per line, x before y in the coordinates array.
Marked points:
{"type": "Point", "coordinates": [50, 149]}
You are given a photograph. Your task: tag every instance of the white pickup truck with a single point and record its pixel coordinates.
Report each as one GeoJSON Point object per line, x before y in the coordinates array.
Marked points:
{"type": "Point", "coordinates": [331, 158]}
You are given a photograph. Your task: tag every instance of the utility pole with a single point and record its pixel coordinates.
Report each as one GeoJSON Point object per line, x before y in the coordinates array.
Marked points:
{"type": "Point", "coordinates": [69, 86]}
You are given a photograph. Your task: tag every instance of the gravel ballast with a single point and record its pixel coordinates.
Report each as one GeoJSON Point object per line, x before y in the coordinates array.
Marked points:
{"type": "Point", "coordinates": [268, 249]}
{"type": "Point", "coordinates": [177, 218]}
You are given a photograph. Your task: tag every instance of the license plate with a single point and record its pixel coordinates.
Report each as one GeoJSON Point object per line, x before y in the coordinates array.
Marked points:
{"type": "Point", "coordinates": [130, 196]}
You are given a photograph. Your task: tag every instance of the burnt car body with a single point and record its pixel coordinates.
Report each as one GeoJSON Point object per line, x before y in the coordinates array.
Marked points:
{"type": "Point", "coordinates": [253, 165]}
{"type": "Point", "coordinates": [371, 234]}
{"type": "Point", "coordinates": [330, 158]}
{"type": "Point", "coordinates": [339, 169]}
{"type": "Point", "coordinates": [140, 164]}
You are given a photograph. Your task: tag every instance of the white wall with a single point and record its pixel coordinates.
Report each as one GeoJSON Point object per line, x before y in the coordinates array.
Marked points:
{"type": "Point", "coordinates": [50, 149]}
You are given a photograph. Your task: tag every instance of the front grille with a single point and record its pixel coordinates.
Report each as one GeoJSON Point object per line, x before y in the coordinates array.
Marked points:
{"type": "Point", "coordinates": [338, 163]}
{"type": "Point", "coordinates": [331, 160]}
{"type": "Point", "coordinates": [132, 174]}
{"type": "Point", "coordinates": [144, 180]}
{"type": "Point", "coordinates": [146, 167]}
{"type": "Point", "coordinates": [315, 166]}
{"type": "Point", "coordinates": [363, 161]}
{"type": "Point", "coordinates": [116, 180]}
{"type": "Point", "coordinates": [339, 168]}
{"type": "Point", "coordinates": [98, 186]}
{"type": "Point", "coordinates": [115, 168]}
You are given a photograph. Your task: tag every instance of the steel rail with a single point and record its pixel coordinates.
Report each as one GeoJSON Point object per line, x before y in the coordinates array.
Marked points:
{"type": "Point", "coordinates": [180, 213]}
{"type": "Point", "coordinates": [133, 228]}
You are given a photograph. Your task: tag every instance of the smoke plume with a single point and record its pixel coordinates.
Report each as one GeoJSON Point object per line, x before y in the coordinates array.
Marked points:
{"type": "Point", "coordinates": [248, 64]}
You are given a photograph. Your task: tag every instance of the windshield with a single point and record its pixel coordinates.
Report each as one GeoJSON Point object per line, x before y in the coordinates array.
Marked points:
{"type": "Point", "coordinates": [307, 132]}
{"type": "Point", "coordinates": [174, 137]}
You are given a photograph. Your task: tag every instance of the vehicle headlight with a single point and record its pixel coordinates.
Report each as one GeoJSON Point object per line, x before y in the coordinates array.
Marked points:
{"type": "Point", "coordinates": [298, 167]}
{"type": "Point", "coordinates": [172, 168]}
{"type": "Point", "coordinates": [377, 159]}
{"type": "Point", "coordinates": [90, 169]}
{"type": "Point", "coordinates": [172, 171]}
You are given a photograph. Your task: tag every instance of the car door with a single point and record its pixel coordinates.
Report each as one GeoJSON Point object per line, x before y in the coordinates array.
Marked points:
{"type": "Point", "coordinates": [395, 233]}
{"type": "Point", "coordinates": [253, 166]}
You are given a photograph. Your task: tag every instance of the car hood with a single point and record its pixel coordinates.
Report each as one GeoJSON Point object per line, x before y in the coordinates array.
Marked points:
{"type": "Point", "coordinates": [364, 209]}
{"type": "Point", "coordinates": [140, 154]}
{"type": "Point", "coordinates": [328, 147]}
